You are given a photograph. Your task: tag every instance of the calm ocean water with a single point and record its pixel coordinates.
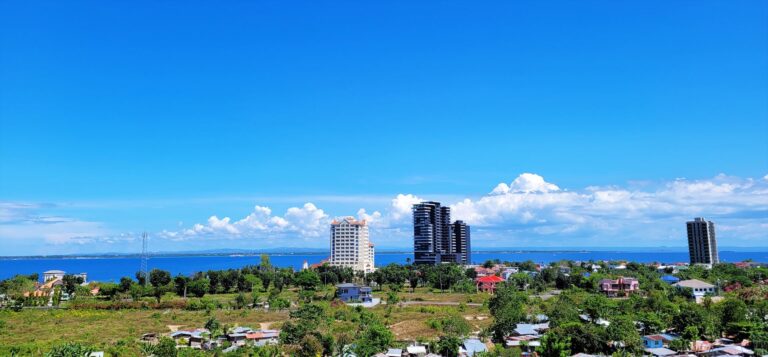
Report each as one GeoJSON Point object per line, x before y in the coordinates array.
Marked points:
{"type": "Point", "coordinates": [111, 269]}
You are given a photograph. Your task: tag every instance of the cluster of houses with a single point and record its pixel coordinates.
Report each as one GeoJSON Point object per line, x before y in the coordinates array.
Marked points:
{"type": "Point", "coordinates": [526, 335]}
{"type": "Point", "coordinates": [657, 345]}
{"type": "Point", "coordinates": [201, 338]}
{"type": "Point", "coordinates": [469, 347]}
{"type": "Point", "coordinates": [624, 286]}
{"type": "Point", "coordinates": [51, 280]}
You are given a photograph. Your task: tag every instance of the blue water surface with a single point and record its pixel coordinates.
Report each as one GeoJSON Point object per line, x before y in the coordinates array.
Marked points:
{"type": "Point", "coordinates": [112, 268]}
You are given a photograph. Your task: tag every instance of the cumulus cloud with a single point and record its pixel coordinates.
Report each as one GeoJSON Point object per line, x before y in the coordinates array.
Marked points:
{"type": "Point", "coordinates": [534, 209]}
{"type": "Point", "coordinates": [305, 221]}
{"type": "Point", "coordinates": [527, 211]}
{"type": "Point", "coordinates": [525, 183]}
{"type": "Point", "coordinates": [531, 206]}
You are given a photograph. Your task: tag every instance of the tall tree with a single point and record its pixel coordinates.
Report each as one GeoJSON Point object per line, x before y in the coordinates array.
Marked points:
{"type": "Point", "coordinates": [506, 306]}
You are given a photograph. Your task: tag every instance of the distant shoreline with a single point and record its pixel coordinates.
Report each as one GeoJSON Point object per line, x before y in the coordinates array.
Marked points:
{"type": "Point", "coordinates": [321, 253]}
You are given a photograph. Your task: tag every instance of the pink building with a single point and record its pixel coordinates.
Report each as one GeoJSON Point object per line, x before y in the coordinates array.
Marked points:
{"type": "Point", "coordinates": [619, 287]}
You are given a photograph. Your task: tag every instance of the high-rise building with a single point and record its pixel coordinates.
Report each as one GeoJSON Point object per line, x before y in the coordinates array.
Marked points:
{"type": "Point", "coordinates": [350, 245]}
{"type": "Point", "coordinates": [435, 239]}
{"type": "Point", "coordinates": [461, 244]}
{"type": "Point", "coordinates": [702, 244]}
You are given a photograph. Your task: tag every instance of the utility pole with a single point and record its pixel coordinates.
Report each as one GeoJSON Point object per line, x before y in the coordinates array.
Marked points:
{"type": "Point", "coordinates": [144, 257]}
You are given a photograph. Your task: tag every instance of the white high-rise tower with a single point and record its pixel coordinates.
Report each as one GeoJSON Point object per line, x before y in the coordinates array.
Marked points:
{"type": "Point", "coordinates": [350, 245]}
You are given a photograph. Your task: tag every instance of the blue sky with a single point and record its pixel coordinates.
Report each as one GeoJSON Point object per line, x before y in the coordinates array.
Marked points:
{"type": "Point", "coordinates": [157, 116]}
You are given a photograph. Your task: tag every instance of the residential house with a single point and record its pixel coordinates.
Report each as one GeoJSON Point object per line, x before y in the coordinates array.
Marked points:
{"type": "Point", "coordinates": [509, 272]}
{"type": "Point", "coordinates": [263, 337]}
{"type": "Point", "coordinates": [483, 271]}
{"type": "Point", "coordinates": [732, 350]}
{"type": "Point", "coordinates": [394, 352]}
{"type": "Point", "coordinates": [660, 352]}
{"type": "Point", "coordinates": [150, 338]}
{"type": "Point", "coordinates": [698, 288]}
{"type": "Point", "coordinates": [53, 275]}
{"type": "Point", "coordinates": [657, 340]}
{"type": "Point", "coordinates": [527, 335]}
{"type": "Point", "coordinates": [416, 350]}
{"type": "Point", "coordinates": [471, 346]}
{"type": "Point", "coordinates": [238, 335]}
{"type": "Point", "coordinates": [192, 338]}
{"type": "Point", "coordinates": [619, 287]}
{"type": "Point", "coordinates": [531, 329]}
{"type": "Point", "coordinates": [488, 283]}
{"type": "Point", "coordinates": [653, 341]}
{"type": "Point", "coordinates": [353, 293]}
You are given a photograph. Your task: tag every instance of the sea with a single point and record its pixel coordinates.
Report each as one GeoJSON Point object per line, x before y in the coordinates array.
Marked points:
{"type": "Point", "coordinates": [112, 268]}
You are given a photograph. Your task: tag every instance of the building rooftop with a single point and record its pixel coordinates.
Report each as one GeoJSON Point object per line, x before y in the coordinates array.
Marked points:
{"type": "Point", "coordinates": [694, 284]}
{"type": "Point", "coordinates": [490, 279]}
{"type": "Point", "coordinates": [661, 351]}
{"type": "Point", "coordinates": [349, 220]}
{"type": "Point", "coordinates": [473, 345]}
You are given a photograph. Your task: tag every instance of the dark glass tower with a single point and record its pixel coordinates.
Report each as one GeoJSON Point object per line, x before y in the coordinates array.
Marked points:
{"type": "Point", "coordinates": [702, 244]}
{"type": "Point", "coordinates": [461, 245]}
{"type": "Point", "coordinates": [435, 239]}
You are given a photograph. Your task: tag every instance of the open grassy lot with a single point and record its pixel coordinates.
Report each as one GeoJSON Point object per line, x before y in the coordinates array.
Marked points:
{"type": "Point", "coordinates": [33, 331]}
{"type": "Point", "coordinates": [433, 295]}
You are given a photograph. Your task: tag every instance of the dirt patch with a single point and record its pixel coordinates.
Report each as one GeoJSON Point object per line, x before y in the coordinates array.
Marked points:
{"type": "Point", "coordinates": [475, 317]}
{"type": "Point", "coordinates": [412, 330]}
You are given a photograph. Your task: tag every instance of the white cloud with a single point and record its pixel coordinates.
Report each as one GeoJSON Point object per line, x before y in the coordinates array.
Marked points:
{"type": "Point", "coordinates": [528, 211]}
{"type": "Point", "coordinates": [531, 206]}
{"type": "Point", "coordinates": [305, 221]}
{"type": "Point", "coordinates": [525, 183]}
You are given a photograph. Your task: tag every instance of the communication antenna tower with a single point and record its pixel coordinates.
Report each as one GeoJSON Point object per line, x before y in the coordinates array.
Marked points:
{"type": "Point", "coordinates": [144, 257]}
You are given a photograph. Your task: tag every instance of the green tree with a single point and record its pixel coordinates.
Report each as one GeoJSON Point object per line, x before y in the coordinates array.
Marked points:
{"type": "Point", "coordinates": [448, 345]}
{"type": "Point", "coordinates": [587, 338]}
{"type": "Point", "coordinates": [310, 346]}
{"type": "Point", "coordinates": [212, 324]}
{"type": "Point", "coordinates": [507, 308]}
{"type": "Point", "coordinates": [555, 345]}
{"type": "Point", "coordinates": [596, 307]}
{"type": "Point", "coordinates": [240, 301]}
{"type": "Point", "coordinates": [198, 287]}
{"type": "Point", "coordinates": [180, 284]}
{"type": "Point", "coordinates": [264, 263]}
{"type": "Point", "coordinates": [71, 282]}
{"type": "Point", "coordinates": [680, 345]}
{"type": "Point", "coordinates": [307, 280]}
{"type": "Point", "coordinates": [159, 280]}
{"type": "Point", "coordinates": [732, 310]}
{"type": "Point", "coordinates": [166, 347]}
{"type": "Point", "coordinates": [375, 338]}
{"type": "Point", "coordinates": [125, 284]}
{"type": "Point", "coordinates": [622, 329]}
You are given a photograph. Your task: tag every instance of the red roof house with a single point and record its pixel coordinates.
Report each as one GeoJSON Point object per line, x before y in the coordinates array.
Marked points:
{"type": "Point", "coordinates": [488, 283]}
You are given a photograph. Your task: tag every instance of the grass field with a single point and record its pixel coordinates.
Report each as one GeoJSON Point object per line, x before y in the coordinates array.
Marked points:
{"type": "Point", "coordinates": [33, 331]}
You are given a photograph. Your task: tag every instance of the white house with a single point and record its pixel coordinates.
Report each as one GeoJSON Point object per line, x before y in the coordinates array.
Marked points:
{"type": "Point", "coordinates": [53, 275]}
{"type": "Point", "coordinates": [699, 288]}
